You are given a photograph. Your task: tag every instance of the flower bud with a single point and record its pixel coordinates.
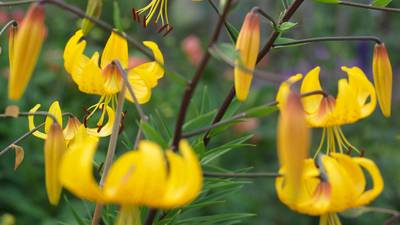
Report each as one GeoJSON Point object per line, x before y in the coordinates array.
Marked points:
{"type": "Point", "coordinates": [93, 9]}
{"type": "Point", "coordinates": [293, 142]}
{"type": "Point", "coordinates": [248, 44]}
{"type": "Point", "coordinates": [54, 149]}
{"type": "Point", "coordinates": [382, 70]}
{"type": "Point", "coordinates": [25, 50]}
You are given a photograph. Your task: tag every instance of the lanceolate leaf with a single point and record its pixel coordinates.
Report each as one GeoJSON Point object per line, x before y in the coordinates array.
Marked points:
{"type": "Point", "coordinates": [381, 3]}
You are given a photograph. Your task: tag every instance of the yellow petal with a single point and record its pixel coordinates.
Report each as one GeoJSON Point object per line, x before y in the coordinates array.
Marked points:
{"type": "Point", "coordinates": [151, 72]}
{"type": "Point", "coordinates": [284, 89]}
{"type": "Point", "coordinates": [363, 89]}
{"type": "Point", "coordinates": [377, 180]}
{"type": "Point", "coordinates": [115, 49]}
{"type": "Point", "coordinates": [76, 170]}
{"type": "Point", "coordinates": [293, 142]}
{"type": "Point", "coordinates": [140, 89]}
{"type": "Point", "coordinates": [137, 177]}
{"type": "Point", "coordinates": [32, 123]}
{"type": "Point", "coordinates": [311, 83]}
{"type": "Point", "coordinates": [74, 59]}
{"type": "Point", "coordinates": [91, 80]}
{"type": "Point", "coordinates": [27, 46]}
{"type": "Point", "coordinates": [383, 78]}
{"type": "Point", "coordinates": [54, 110]}
{"type": "Point", "coordinates": [185, 177]}
{"type": "Point", "coordinates": [54, 150]}
{"type": "Point", "coordinates": [248, 44]}
{"type": "Point", "coordinates": [106, 130]}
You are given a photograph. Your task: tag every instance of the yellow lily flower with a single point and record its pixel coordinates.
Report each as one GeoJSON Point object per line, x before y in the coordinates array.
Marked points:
{"type": "Point", "coordinates": [72, 124]}
{"type": "Point", "coordinates": [383, 76]}
{"type": "Point", "coordinates": [104, 79]}
{"type": "Point", "coordinates": [338, 184]}
{"type": "Point", "coordinates": [138, 177]}
{"type": "Point", "coordinates": [356, 99]}
{"type": "Point", "coordinates": [24, 50]}
{"type": "Point", "coordinates": [293, 141]}
{"type": "Point", "coordinates": [248, 44]}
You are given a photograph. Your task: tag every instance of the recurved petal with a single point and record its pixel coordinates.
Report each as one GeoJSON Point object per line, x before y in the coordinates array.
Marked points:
{"type": "Point", "coordinates": [141, 90]}
{"type": "Point", "coordinates": [311, 83]}
{"type": "Point", "coordinates": [90, 79]}
{"type": "Point", "coordinates": [284, 89]}
{"type": "Point", "coordinates": [32, 123]}
{"type": "Point", "coordinates": [151, 72]}
{"type": "Point", "coordinates": [138, 177]}
{"type": "Point", "coordinates": [54, 110]}
{"type": "Point", "coordinates": [377, 180]}
{"type": "Point", "coordinates": [74, 59]}
{"type": "Point", "coordinates": [76, 170]}
{"type": "Point", "coordinates": [363, 88]}
{"type": "Point", "coordinates": [54, 150]}
{"type": "Point", "coordinates": [115, 49]}
{"type": "Point", "coordinates": [106, 130]}
{"type": "Point", "coordinates": [347, 110]}
{"type": "Point", "coordinates": [71, 128]}
{"type": "Point", "coordinates": [185, 177]}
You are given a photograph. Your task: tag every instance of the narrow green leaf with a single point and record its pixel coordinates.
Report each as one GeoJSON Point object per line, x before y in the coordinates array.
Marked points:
{"type": "Point", "coordinates": [286, 26]}
{"type": "Point", "coordinates": [381, 3]}
{"type": "Point", "coordinates": [328, 1]}
{"type": "Point", "coordinates": [153, 135]}
{"type": "Point", "coordinates": [74, 212]}
{"type": "Point", "coordinates": [261, 111]}
{"type": "Point", "coordinates": [117, 16]}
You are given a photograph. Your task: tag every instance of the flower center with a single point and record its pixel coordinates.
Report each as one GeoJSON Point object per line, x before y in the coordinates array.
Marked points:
{"type": "Point", "coordinates": [113, 79]}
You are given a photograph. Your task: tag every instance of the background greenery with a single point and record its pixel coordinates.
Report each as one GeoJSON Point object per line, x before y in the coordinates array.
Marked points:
{"type": "Point", "coordinates": [22, 193]}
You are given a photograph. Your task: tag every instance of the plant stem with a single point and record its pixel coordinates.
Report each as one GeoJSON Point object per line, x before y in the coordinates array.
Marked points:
{"type": "Point", "coordinates": [366, 6]}
{"type": "Point", "coordinates": [265, 15]}
{"type": "Point", "coordinates": [229, 98]}
{"type": "Point", "coordinates": [10, 23]}
{"type": "Point", "coordinates": [111, 151]}
{"type": "Point", "coordinates": [38, 113]}
{"type": "Point", "coordinates": [191, 85]}
{"type": "Point", "coordinates": [20, 2]}
{"type": "Point", "coordinates": [27, 134]}
{"type": "Point", "coordinates": [336, 38]}
{"type": "Point", "coordinates": [150, 217]}
{"type": "Point", "coordinates": [240, 175]}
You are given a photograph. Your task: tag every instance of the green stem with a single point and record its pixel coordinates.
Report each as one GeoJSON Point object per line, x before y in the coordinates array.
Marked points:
{"type": "Point", "coordinates": [366, 6]}
{"type": "Point", "coordinates": [21, 2]}
{"type": "Point", "coordinates": [111, 151]}
{"type": "Point", "coordinates": [337, 38]}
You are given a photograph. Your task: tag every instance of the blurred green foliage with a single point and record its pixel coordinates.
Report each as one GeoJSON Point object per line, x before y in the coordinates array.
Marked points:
{"type": "Point", "coordinates": [22, 193]}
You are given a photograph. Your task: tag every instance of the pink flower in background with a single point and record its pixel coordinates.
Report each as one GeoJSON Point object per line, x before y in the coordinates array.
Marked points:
{"type": "Point", "coordinates": [134, 61]}
{"type": "Point", "coordinates": [191, 45]}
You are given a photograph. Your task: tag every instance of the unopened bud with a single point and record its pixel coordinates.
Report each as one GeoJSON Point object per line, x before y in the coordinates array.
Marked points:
{"type": "Point", "coordinates": [54, 149]}
{"type": "Point", "coordinates": [382, 70]}
{"type": "Point", "coordinates": [293, 142]}
{"type": "Point", "coordinates": [93, 9]}
{"type": "Point", "coordinates": [248, 44]}
{"type": "Point", "coordinates": [25, 50]}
